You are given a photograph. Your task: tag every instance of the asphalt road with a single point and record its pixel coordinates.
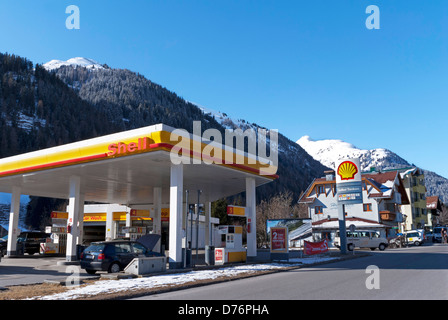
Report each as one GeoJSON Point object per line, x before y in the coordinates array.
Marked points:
{"type": "Point", "coordinates": [35, 269]}
{"type": "Point", "coordinates": [418, 273]}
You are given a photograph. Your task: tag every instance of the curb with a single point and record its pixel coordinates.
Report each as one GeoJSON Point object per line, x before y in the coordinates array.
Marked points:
{"type": "Point", "coordinates": [146, 292]}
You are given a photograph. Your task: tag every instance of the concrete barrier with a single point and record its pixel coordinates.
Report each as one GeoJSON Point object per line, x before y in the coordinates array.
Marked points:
{"type": "Point", "coordinates": [141, 266]}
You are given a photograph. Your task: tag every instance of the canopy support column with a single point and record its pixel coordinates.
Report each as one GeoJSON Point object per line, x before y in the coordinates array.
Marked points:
{"type": "Point", "coordinates": [175, 233]}
{"type": "Point", "coordinates": [251, 219]}
{"type": "Point", "coordinates": [75, 211]}
{"type": "Point", "coordinates": [208, 227]}
{"type": "Point", "coordinates": [13, 222]}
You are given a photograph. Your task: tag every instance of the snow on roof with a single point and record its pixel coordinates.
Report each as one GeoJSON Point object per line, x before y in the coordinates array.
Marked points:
{"type": "Point", "coordinates": [359, 223]}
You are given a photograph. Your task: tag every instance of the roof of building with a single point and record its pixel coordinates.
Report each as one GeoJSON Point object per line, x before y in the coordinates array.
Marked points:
{"type": "Point", "coordinates": [433, 202]}
{"type": "Point", "coordinates": [360, 223]}
{"type": "Point", "coordinates": [383, 183]}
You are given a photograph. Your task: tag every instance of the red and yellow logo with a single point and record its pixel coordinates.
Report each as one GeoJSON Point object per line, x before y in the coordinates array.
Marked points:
{"type": "Point", "coordinates": [347, 170]}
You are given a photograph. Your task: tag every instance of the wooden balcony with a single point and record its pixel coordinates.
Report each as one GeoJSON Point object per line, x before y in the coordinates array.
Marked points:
{"type": "Point", "coordinates": [388, 215]}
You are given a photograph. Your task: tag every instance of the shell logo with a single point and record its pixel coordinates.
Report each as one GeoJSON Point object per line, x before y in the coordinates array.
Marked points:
{"type": "Point", "coordinates": [347, 170]}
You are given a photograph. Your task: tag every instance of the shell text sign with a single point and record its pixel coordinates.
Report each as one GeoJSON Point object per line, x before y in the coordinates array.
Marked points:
{"type": "Point", "coordinates": [347, 170]}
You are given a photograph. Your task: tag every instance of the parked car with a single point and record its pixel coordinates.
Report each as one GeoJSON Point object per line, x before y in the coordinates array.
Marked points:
{"type": "Point", "coordinates": [428, 236]}
{"type": "Point", "coordinates": [415, 237]}
{"type": "Point", "coordinates": [113, 256]}
{"type": "Point", "coordinates": [363, 239]}
{"type": "Point", "coordinates": [437, 233]}
{"type": "Point", "coordinates": [3, 246]}
{"type": "Point", "coordinates": [29, 241]}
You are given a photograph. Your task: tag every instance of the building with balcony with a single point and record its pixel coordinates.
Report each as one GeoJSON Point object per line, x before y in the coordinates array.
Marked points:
{"type": "Point", "coordinates": [415, 213]}
{"type": "Point", "coordinates": [383, 196]}
{"type": "Point", "coordinates": [434, 208]}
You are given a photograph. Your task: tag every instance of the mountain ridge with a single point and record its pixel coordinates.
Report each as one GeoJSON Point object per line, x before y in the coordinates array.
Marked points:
{"type": "Point", "coordinates": [327, 151]}
{"type": "Point", "coordinates": [42, 109]}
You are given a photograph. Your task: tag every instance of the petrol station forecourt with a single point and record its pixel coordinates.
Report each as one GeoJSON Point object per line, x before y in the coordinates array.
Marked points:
{"type": "Point", "coordinates": [135, 168]}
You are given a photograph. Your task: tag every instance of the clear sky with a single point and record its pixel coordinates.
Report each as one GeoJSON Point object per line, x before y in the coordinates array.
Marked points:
{"type": "Point", "coordinates": [302, 67]}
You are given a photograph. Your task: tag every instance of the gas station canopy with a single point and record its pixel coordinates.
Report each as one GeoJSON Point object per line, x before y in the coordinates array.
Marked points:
{"type": "Point", "coordinates": [128, 167]}
{"type": "Point", "coordinates": [127, 177]}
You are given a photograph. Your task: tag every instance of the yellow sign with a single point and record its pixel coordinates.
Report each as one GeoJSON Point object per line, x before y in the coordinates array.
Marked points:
{"type": "Point", "coordinates": [140, 213]}
{"type": "Point", "coordinates": [165, 216]}
{"type": "Point", "coordinates": [347, 170]}
{"type": "Point", "coordinates": [236, 211]}
{"type": "Point", "coordinates": [59, 215]}
{"type": "Point", "coordinates": [91, 217]}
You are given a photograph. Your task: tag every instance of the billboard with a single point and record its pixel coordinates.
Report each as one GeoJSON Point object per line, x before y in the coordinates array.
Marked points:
{"type": "Point", "coordinates": [349, 181]}
{"type": "Point", "coordinates": [291, 224]}
{"type": "Point", "coordinates": [279, 239]}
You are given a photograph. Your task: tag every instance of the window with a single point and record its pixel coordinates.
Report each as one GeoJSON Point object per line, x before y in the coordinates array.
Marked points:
{"type": "Point", "coordinates": [138, 248]}
{"type": "Point", "coordinates": [230, 241]}
{"type": "Point", "coordinates": [365, 234]}
{"type": "Point", "coordinates": [367, 207]}
{"type": "Point", "coordinates": [123, 248]}
{"type": "Point", "coordinates": [318, 209]}
{"type": "Point", "coordinates": [320, 189]}
{"type": "Point", "coordinates": [413, 234]}
{"type": "Point", "coordinates": [417, 212]}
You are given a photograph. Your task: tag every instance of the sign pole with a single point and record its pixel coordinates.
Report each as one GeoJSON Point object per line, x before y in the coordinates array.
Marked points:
{"type": "Point", "coordinates": [197, 229]}
{"type": "Point", "coordinates": [342, 229]}
{"type": "Point", "coordinates": [349, 191]}
{"type": "Point", "coordinates": [186, 228]}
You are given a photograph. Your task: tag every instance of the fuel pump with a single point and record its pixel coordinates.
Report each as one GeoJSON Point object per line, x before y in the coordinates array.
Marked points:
{"type": "Point", "coordinates": [231, 247]}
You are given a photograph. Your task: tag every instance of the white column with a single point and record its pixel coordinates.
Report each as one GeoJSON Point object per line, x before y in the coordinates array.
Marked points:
{"type": "Point", "coordinates": [80, 237]}
{"type": "Point", "coordinates": [13, 222]}
{"type": "Point", "coordinates": [74, 209]}
{"type": "Point", "coordinates": [251, 219]}
{"type": "Point", "coordinates": [109, 223]}
{"type": "Point", "coordinates": [176, 199]}
{"type": "Point", "coordinates": [128, 221]}
{"type": "Point", "coordinates": [157, 219]}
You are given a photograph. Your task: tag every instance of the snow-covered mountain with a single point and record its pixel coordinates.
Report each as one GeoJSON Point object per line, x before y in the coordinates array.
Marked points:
{"type": "Point", "coordinates": [330, 150]}
{"type": "Point", "coordinates": [74, 62]}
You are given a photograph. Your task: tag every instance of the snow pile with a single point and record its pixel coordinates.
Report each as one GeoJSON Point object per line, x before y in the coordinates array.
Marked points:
{"type": "Point", "coordinates": [75, 62]}
{"type": "Point", "coordinates": [159, 281]}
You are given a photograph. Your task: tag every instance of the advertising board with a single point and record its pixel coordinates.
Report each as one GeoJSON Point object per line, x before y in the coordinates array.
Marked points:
{"type": "Point", "coordinates": [349, 181]}
{"type": "Point", "coordinates": [315, 247]}
{"type": "Point", "coordinates": [279, 239]}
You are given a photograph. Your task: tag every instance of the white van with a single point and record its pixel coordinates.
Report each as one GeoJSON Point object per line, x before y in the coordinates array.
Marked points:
{"type": "Point", "coordinates": [415, 237]}
{"type": "Point", "coordinates": [363, 239]}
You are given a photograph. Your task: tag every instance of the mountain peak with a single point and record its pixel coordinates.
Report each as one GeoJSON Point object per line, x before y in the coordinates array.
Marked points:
{"type": "Point", "coordinates": [329, 151]}
{"type": "Point", "coordinates": [74, 62]}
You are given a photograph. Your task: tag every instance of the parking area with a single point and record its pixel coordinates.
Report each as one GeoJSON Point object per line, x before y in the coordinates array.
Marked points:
{"type": "Point", "coordinates": [33, 269]}
{"type": "Point", "coordinates": [36, 269]}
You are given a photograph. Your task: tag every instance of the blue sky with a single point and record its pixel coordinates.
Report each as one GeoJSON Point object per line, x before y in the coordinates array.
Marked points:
{"type": "Point", "coordinates": [302, 67]}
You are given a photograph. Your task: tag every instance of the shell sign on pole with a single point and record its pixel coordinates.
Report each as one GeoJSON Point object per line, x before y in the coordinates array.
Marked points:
{"type": "Point", "coordinates": [349, 181]}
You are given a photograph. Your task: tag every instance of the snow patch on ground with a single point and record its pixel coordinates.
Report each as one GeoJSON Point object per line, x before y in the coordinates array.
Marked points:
{"type": "Point", "coordinates": [159, 281]}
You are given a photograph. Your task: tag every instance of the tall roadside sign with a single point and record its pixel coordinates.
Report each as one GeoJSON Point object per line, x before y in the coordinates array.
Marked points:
{"type": "Point", "coordinates": [349, 191]}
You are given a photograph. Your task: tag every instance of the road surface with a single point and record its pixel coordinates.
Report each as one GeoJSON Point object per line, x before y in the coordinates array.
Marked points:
{"type": "Point", "coordinates": [407, 273]}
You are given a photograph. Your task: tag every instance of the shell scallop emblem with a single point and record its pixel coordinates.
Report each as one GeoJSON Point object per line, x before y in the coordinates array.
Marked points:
{"type": "Point", "coordinates": [347, 170]}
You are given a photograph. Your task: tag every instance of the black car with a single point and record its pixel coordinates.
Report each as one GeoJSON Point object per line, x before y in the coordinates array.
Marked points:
{"type": "Point", "coordinates": [113, 256]}
{"type": "Point", "coordinates": [29, 241]}
{"type": "Point", "coordinates": [3, 247]}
